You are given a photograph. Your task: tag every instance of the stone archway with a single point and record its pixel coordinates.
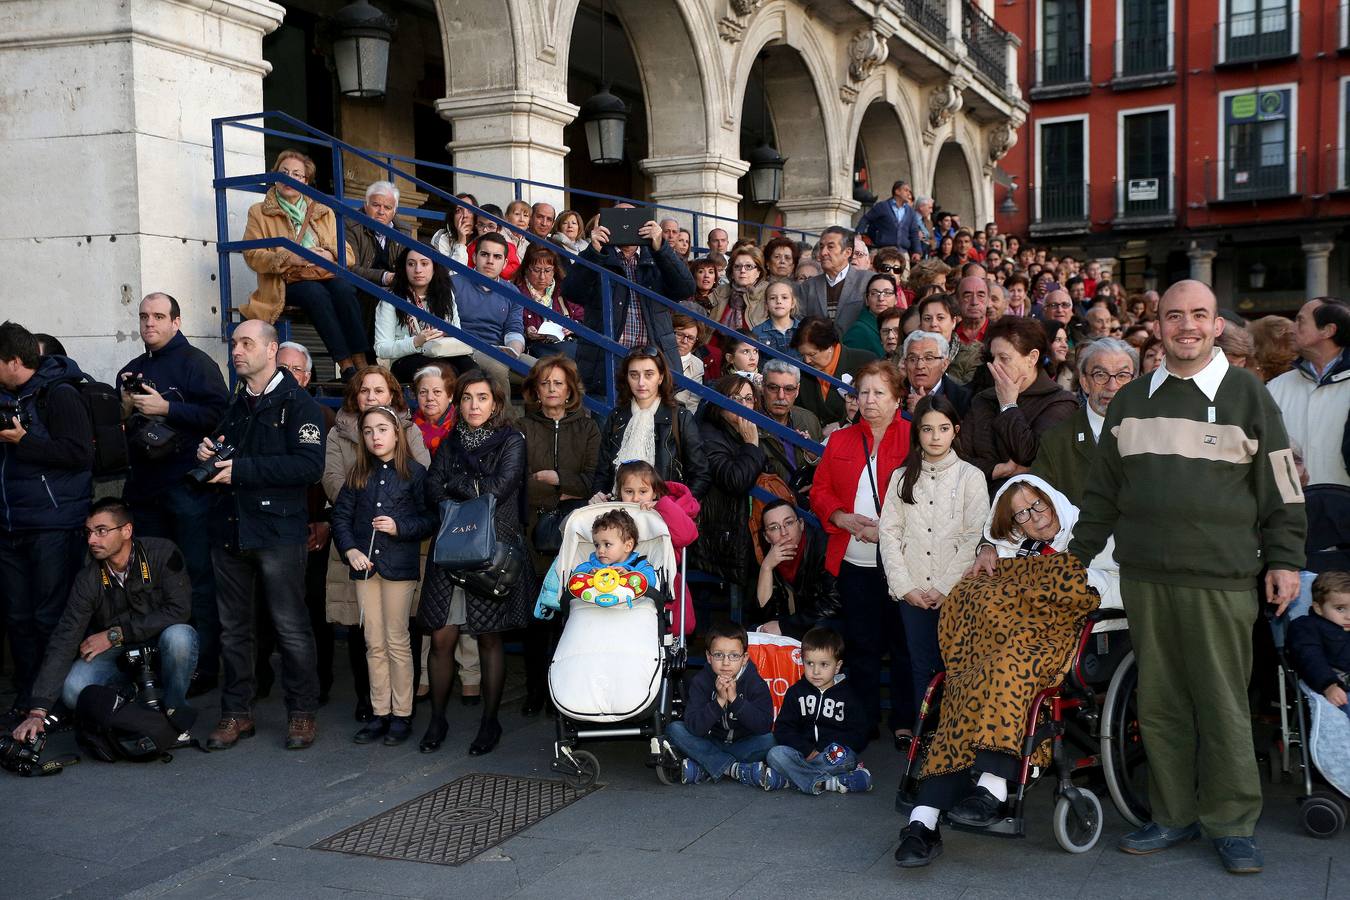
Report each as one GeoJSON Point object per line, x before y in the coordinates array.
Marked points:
{"type": "Point", "coordinates": [881, 139]}
{"type": "Point", "coordinates": [954, 186]}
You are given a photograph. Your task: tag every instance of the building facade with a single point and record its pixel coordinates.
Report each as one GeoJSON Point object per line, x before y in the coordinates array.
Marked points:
{"type": "Point", "coordinates": [1200, 138]}
{"type": "Point", "coordinates": [111, 103]}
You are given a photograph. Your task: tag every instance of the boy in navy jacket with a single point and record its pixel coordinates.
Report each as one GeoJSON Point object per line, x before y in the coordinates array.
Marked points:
{"type": "Point", "coordinates": [728, 721]}
{"type": "Point", "coordinates": [821, 726]}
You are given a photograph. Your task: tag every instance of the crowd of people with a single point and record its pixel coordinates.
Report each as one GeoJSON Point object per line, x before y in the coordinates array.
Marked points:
{"type": "Point", "coordinates": [967, 389]}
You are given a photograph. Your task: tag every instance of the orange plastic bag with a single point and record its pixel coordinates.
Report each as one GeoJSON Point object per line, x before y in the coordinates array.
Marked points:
{"type": "Point", "coordinates": [779, 661]}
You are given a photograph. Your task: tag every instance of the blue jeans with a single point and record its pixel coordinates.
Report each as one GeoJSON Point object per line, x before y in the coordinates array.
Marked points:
{"type": "Point", "coordinates": [177, 662]}
{"type": "Point", "coordinates": [333, 309]}
{"type": "Point", "coordinates": [925, 658]}
{"type": "Point", "coordinates": [178, 514]}
{"type": "Point", "coordinates": [808, 775]}
{"type": "Point", "coordinates": [716, 757]}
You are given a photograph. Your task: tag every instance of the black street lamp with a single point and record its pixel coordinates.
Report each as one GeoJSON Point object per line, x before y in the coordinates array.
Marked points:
{"type": "Point", "coordinates": [604, 116]}
{"type": "Point", "coordinates": [361, 49]}
{"type": "Point", "coordinates": [766, 163]}
{"type": "Point", "coordinates": [1256, 276]}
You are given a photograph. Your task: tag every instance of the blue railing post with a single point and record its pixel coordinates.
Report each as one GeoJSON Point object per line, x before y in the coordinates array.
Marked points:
{"type": "Point", "coordinates": [222, 227]}
{"type": "Point", "coordinates": [607, 317]}
{"type": "Point", "coordinates": [339, 188]}
{"type": "Point", "coordinates": [693, 238]}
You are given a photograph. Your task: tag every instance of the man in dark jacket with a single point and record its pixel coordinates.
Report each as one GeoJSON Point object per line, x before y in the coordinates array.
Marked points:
{"type": "Point", "coordinates": [638, 320]}
{"type": "Point", "coordinates": [259, 530]}
{"type": "Point", "coordinates": [133, 591]}
{"type": "Point", "coordinates": [181, 388]}
{"type": "Point", "coordinates": [894, 222]}
{"type": "Point", "coordinates": [46, 479]}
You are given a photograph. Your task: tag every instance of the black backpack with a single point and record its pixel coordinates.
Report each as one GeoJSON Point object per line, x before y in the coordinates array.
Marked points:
{"type": "Point", "coordinates": [104, 406]}
{"type": "Point", "coordinates": [113, 727]}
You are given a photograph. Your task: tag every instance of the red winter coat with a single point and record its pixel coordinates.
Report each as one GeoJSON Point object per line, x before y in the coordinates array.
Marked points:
{"type": "Point", "coordinates": [679, 510]}
{"type": "Point", "coordinates": [836, 480]}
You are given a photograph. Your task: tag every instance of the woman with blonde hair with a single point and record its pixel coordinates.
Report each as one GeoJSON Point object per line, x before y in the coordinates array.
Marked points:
{"type": "Point", "coordinates": [1275, 348]}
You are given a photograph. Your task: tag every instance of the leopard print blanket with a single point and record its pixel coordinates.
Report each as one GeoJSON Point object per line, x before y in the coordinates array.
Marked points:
{"type": "Point", "coordinates": [1004, 639]}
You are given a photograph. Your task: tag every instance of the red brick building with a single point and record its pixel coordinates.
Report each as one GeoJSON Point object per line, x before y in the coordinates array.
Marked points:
{"type": "Point", "coordinates": [1188, 137]}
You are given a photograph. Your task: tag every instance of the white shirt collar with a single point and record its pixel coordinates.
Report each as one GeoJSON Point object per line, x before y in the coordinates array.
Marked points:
{"type": "Point", "coordinates": [1095, 422]}
{"type": "Point", "coordinates": [843, 273]}
{"type": "Point", "coordinates": [1207, 379]}
{"type": "Point", "coordinates": [271, 385]}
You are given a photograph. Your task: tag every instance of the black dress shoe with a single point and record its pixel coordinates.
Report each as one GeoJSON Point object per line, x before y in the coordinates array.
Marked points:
{"type": "Point", "coordinates": [980, 809]}
{"type": "Point", "coordinates": [202, 684]}
{"type": "Point", "coordinates": [400, 729]}
{"type": "Point", "coordinates": [919, 846]}
{"type": "Point", "coordinates": [364, 712]}
{"type": "Point", "coordinates": [436, 732]}
{"type": "Point", "coordinates": [489, 733]}
{"type": "Point", "coordinates": [375, 729]}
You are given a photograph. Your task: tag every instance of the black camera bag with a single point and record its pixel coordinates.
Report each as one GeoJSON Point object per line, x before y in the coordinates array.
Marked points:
{"type": "Point", "coordinates": [111, 727]}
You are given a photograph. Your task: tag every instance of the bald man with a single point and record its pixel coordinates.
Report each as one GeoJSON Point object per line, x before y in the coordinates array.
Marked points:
{"type": "Point", "coordinates": [1195, 477]}
{"type": "Point", "coordinates": [259, 530]}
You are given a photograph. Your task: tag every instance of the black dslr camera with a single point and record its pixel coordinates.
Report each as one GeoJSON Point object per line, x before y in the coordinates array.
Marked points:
{"type": "Point", "coordinates": [206, 470]}
{"type": "Point", "coordinates": [21, 757]}
{"type": "Point", "coordinates": [135, 384]}
{"type": "Point", "coordinates": [12, 414]}
{"type": "Point", "coordinates": [138, 662]}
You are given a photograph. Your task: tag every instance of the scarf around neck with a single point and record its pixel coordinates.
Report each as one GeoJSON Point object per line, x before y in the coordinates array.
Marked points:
{"type": "Point", "coordinates": [434, 432]}
{"type": "Point", "coordinates": [639, 437]}
{"type": "Point", "coordinates": [295, 212]}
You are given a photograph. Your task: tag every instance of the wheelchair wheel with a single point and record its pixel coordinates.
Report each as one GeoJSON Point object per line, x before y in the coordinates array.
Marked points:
{"type": "Point", "coordinates": [1124, 764]}
{"type": "Point", "coordinates": [588, 769]}
{"type": "Point", "coordinates": [1078, 831]}
{"type": "Point", "coordinates": [1323, 815]}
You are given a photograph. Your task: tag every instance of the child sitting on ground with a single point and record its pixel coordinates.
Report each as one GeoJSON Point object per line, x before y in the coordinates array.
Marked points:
{"type": "Point", "coordinates": [728, 719]}
{"type": "Point", "coordinates": [1319, 643]}
{"type": "Point", "coordinates": [821, 726]}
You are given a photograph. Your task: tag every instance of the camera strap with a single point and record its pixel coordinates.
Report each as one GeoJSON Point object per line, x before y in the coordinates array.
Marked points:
{"type": "Point", "coordinates": [55, 766]}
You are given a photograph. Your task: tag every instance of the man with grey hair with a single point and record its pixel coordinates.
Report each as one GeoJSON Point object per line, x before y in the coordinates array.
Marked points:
{"type": "Point", "coordinates": [836, 293]}
{"type": "Point", "coordinates": [1068, 449]}
{"type": "Point", "coordinates": [925, 357]}
{"type": "Point", "coordinates": [782, 384]}
{"type": "Point", "coordinates": [670, 230]}
{"type": "Point", "coordinates": [372, 256]}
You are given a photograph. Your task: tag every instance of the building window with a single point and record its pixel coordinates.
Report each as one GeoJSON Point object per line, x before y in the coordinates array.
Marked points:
{"type": "Point", "coordinates": [1257, 157]}
{"type": "Point", "coordinates": [1258, 29]}
{"type": "Point", "coordinates": [1145, 188]}
{"type": "Point", "coordinates": [1063, 44]}
{"type": "Point", "coordinates": [1062, 188]}
{"type": "Point", "coordinates": [1342, 157]}
{"type": "Point", "coordinates": [1145, 38]}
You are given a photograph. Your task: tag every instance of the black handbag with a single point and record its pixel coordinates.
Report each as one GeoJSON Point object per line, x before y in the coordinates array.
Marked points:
{"type": "Point", "coordinates": [467, 537]}
{"type": "Point", "coordinates": [497, 579]}
{"type": "Point", "coordinates": [547, 534]}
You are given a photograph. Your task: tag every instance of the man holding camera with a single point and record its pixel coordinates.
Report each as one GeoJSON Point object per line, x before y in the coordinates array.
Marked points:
{"type": "Point", "coordinates": [268, 450]}
{"type": "Point", "coordinates": [172, 396]}
{"type": "Point", "coordinates": [134, 591]}
{"type": "Point", "coordinates": [46, 479]}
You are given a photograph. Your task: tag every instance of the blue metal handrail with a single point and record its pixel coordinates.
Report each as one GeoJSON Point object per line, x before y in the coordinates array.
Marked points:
{"type": "Point", "coordinates": [226, 247]}
{"type": "Point", "coordinates": [388, 158]}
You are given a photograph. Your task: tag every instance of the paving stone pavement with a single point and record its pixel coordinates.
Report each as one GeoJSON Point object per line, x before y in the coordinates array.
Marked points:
{"type": "Point", "coordinates": [240, 824]}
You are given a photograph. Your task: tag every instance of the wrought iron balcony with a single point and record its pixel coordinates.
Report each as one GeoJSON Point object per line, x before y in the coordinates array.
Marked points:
{"type": "Point", "coordinates": [1145, 202]}
{"type": "Point", "coordinates": [1236, 180]}
{"type": "Point", "coordinates": [1063, 72]}
{"type": "Point", "coordinates": [930, 16]}
{"type": "Point", "coordinates": [1060, 208]}
{"type": "Point", "coordinates": [986, 45]}
{"type": "Point", "coordinates": [1144, 61]}
{"type": "Point", "coordinates": [1256, 36]}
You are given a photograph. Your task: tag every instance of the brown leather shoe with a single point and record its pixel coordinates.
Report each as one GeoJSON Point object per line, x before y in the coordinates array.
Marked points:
{"type": "Point", "coordinates": [301, 730]}
{"type": "Point", "coordinates": [229, 730]}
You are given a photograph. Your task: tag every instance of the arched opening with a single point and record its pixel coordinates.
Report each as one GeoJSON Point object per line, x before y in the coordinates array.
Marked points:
{"type": "Point", "coordinates": [881, 155]}
{"type": "Point", "coordinates": [953, 189]}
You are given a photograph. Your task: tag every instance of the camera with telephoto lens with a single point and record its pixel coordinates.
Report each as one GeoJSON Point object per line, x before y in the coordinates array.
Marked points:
{"type": "Point", "coordinates": [138, 663]}
{"type": "Point", "coordinates": [205, 470]}
{"type": "Point", "coordinates": [21, 757]}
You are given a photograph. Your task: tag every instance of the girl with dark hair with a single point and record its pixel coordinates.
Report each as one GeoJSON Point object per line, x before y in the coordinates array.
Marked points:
{"type": "Point", "coordinates": [639, 483]}
{"type": "Point", "coordinates": [408, 342]}
{"type": "Point", "coordinates": [931, 519]}
{"type": "Point", "coordinates": [648, 423]}
{"type": "Point", "coordinates": [484, 454]}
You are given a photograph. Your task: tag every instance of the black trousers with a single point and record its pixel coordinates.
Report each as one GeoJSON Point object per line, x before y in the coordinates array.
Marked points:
{"type": "Point", "coordinates": [873, 629]}
{"type": "Point", "coordinates": [945, 791]}
{"type": "Point", "coordinates": [37, 569]}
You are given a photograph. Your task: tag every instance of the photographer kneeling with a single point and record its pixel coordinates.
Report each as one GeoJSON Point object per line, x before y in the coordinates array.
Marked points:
{"type": "Point", "coordinates": [133, 591]}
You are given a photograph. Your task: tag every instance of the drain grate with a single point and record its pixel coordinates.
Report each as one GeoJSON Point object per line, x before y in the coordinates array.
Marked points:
{"type": "Point", "coordinates": [456, 822]}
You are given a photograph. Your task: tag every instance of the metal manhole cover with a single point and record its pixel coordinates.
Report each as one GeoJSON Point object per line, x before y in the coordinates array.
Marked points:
{"type": "Point", "coordinates": [454, 823]}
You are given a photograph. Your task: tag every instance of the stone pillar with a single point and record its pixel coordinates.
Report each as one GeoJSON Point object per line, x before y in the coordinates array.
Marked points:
{"type": "Point", "coordinates": [508, 132]}
{"type": "Point", "coordinates": [705, 183]}
{"type": "Point", "coordinates": [815, 213]}
{"type": "Point", "coordinates": [1202, 256]}
{"type": "Point", "coordinates": [1316, 249]}
{"type": "Point", "coordinates": [108, 114]}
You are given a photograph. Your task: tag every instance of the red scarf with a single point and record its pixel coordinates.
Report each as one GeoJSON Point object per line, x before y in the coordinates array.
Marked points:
{"type": "Point", "coordinates": [789, 569]}
{"type": "Point", "coordinates": [434, 432]}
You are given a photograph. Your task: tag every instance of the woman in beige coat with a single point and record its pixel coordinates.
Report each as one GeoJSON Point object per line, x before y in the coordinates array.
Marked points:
{"type": "Point", "coordinates": [739, 303]}
{"type": "Point", "coordinates": [931, 522]}
{"type": "Point", "coordinates": [371, 386]}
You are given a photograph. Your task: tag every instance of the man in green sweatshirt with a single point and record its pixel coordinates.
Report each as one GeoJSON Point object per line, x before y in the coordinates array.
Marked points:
{"type": "Point", "coordinates": [1195, 478]}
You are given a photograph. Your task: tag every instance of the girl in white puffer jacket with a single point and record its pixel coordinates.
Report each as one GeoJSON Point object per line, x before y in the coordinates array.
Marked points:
{"type": "Point", "coordinates": [931, 521]}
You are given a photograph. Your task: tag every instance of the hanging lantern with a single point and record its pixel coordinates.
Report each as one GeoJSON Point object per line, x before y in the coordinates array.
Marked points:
{"type": "Point", "coordinates": [1256, 276]}
{"type": "Point", "coordinates": [361, 49]}
{"type": "Point", "coordinates": [766, 173]}
{"type": "Point", "coordinates": [604, 118]}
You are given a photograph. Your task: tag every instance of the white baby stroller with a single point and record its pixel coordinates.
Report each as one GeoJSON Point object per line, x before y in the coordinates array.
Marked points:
{"type": "Point", "coordinates": [617, 671]}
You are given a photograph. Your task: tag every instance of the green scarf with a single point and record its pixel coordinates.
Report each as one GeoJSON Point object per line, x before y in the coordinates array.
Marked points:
{"type": "Point", "coordinates": [296, 213]}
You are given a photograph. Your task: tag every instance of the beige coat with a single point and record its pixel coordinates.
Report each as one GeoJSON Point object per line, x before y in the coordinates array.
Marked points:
{"type": "Point", "coordinates": [339, 456]}
{"type": "Point", "coordinates": [755, 310]}
{"type": "Point", "coordinates": [929, 543]}
{"type": "Point", "coordinates": [277, 266]}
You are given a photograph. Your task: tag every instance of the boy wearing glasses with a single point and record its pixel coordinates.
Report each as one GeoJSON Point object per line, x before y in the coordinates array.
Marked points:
{"type": "Point", "coordinates": [728, 722]}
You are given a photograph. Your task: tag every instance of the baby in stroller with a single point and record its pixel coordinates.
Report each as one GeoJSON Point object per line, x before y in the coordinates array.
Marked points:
{"type": "Point", "coordinates": [614, 573]}
{"type": "Point", "coordinates": [1319, 643]}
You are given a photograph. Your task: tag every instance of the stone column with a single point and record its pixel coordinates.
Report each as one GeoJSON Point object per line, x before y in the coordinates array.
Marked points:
{"type": "Point", "coordinates": [705, 183]}
{"type": "Point", "coordinates": [815, 213]}
{"type": "Point", "coordinates": [1202, 256]}
{"type": "Point", "coordinates": [508, 132]}
{"type": "Point", "coordinates": [1316, 249]}
{"type": "Point", "coordinates": [108, 115]}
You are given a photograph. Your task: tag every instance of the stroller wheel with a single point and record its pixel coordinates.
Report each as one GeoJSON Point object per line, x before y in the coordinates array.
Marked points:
{"type": "Point", "coordinates": [1077, 829]}
{"type": "Point", "coordinates": [667, 774]}
{"type": "Point", "coordinates": [1323, 815]}
{"type": "Point", "coordinates": [587, 770]}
